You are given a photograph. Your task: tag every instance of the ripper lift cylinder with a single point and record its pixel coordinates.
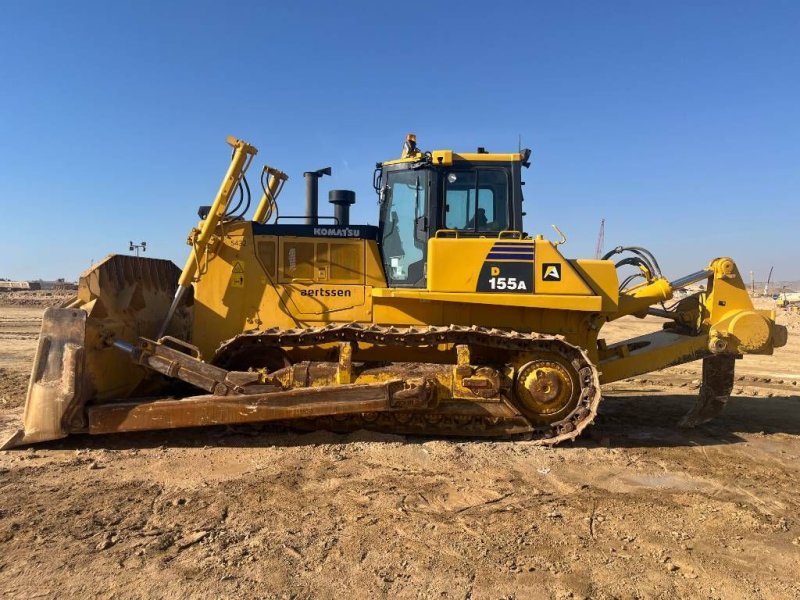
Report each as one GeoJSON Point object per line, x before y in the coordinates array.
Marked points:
{"type": "Point", "coordinates": [267, 205]}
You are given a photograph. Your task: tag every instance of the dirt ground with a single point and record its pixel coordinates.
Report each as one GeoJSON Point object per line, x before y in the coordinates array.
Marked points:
{"type": "Point", "coordinates": [635, 509]}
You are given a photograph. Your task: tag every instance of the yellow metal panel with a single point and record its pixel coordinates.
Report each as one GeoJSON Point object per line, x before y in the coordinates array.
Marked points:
{"type": "Point", "coordinates": [555, 274]}
{"type": "Point", "coordinates": [346, 259]}
{"type": "Point", "coordinates": [455, 263]}
{"type": "Point", "coordinates": [372, 264]}
{"type": "Point", "coordinates": [267, 254]}
{"type": "Point", "coordinates": [297, 259]}
{"type": "Point", "coordinates": [574, 325]}
{"type": "Point", "coordinates": [442, 157]}
{"type": "Point", "coordinates": [488, 157]}
{"type": "Point", "coordinates": [602, 276]}
{"type": "Point", "coordinates": [563, 302]}
{"type": "Point", "coordinates": [222, 309]}
{"type": "Point", "coordinates": [223, 300]}
{"type": "Point", "coordinates": [306, 260]}
{"type": "Point", "coordinates": [327, 303]}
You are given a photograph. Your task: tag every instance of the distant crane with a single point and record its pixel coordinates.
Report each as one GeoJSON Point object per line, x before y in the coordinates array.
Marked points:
{"type": "Point", "coordinates": [601, 237]}
{"type": "Point", "coordinates": [769, 278]}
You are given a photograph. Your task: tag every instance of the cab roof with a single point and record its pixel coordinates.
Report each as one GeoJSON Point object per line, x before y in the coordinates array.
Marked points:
{"type": "Point", "coordinates": [448, 157]}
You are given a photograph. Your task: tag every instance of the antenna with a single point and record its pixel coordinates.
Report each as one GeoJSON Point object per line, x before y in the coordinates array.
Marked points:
{"type": "Point", "coordinates": [601, 238]}
{"type": "Point", "coordinates": [136, 247]}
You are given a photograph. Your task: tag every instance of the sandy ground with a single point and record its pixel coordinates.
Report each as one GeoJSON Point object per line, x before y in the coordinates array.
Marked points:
{"type": "Point", "coordinates": [635, 509]}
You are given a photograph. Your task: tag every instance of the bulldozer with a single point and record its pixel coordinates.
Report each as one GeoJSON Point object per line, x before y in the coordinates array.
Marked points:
{"type": "Point", "coordinates": [444, 319]}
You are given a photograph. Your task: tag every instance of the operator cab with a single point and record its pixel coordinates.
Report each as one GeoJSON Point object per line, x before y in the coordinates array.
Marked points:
{"type": "Point", "coordinates": [442, 193]}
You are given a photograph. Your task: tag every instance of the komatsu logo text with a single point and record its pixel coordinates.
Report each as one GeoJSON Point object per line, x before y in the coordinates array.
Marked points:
{"type": "Point", "coordinates": [337, 232]}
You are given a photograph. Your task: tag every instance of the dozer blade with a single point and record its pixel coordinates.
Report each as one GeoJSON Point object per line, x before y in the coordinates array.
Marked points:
{"type": "Point", "coordinates": [119, 299]}
{"type": "Point", "coordinates": [57, 380]}
{"type": "Point", "coordinates": [715, 390]}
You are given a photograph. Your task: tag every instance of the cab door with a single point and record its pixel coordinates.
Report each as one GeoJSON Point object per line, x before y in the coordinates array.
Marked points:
{"type": "Point", "coordinates": [405, 227]}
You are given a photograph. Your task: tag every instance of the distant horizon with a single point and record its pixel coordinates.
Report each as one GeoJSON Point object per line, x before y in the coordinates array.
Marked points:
{"type": "Point", "coordinates": [758, 284]}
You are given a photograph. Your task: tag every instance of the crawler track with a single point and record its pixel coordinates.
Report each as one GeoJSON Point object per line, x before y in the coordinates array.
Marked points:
{"type": "Point", "coordinates": [522, 345]}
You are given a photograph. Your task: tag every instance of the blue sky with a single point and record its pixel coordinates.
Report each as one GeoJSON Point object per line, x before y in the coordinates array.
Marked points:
{"type": "Point", "coordinates": [677, 122]}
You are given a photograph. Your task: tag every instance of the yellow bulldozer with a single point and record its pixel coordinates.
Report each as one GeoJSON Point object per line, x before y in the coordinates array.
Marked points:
{"type": "Point", "coordinates": [444, 319]}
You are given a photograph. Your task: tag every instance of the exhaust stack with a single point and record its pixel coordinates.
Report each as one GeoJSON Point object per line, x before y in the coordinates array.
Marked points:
{"type": "Point", "coordinates": [342, 200]}
{"type": "Point", "coordinates": [312, 194]}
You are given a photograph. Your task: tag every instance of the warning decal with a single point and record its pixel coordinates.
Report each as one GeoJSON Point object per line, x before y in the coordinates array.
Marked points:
{"type": "Point", "coordinates": [237, 278]}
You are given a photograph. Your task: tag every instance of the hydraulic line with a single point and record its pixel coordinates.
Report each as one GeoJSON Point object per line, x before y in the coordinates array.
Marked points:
{"type": "Point", "coordinates": [642, 258]}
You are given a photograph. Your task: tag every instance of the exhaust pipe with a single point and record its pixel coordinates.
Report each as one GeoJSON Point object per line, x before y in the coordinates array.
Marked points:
{"type": "Point", "coordinates": [342, 200]}
{"type": "Point", "coordinates": [312, 194]}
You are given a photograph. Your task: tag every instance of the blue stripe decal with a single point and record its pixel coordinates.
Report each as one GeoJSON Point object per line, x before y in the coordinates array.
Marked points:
{"type": "Point", "coordinates": [510, 256]}
{"type": "Point", "coordinates": [506, 245]}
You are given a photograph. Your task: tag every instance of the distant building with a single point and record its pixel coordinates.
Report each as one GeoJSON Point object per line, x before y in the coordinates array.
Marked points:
{"type": "Point", "coordinates": [6, 285]}
{"type": "Point", "coordinates": [16, 286]}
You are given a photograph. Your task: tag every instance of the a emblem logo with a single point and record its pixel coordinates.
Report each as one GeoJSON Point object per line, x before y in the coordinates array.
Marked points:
{"type": "Point", "coordinates": [551, 271]}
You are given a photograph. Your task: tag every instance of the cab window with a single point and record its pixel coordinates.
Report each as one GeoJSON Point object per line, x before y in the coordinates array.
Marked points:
{"type": "Point", "coordinates": [476, 200]}
{"type": "Point", "coordinates": [404, 205]}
